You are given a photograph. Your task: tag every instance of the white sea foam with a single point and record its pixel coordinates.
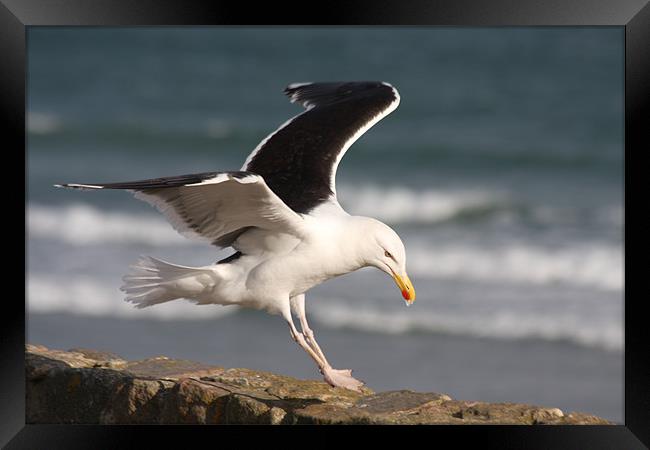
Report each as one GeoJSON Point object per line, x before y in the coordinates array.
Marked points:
{"type": "Point", "coordinates": [42, 123]}
{"type": "Point", "coordinates": [430, 206]}
{"type": "Point", "coordinates": [502, 324]}
{"type": "Point", "coordinates": [218, 128]}
{"type": "Point", "coordinates": [87, 295]}
{"type": "Point", "coordinates": [598, 265]}
{"type": "Point", "coordinates": [606, 215]}
{"type": "Point", "coordinates": [81, 224]}
{"type": "Point", "coordinates": [399, 204]}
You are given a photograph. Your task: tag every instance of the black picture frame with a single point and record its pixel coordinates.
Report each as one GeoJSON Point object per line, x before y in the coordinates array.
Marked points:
{"type": "Point", "coordinates": [633, 15]}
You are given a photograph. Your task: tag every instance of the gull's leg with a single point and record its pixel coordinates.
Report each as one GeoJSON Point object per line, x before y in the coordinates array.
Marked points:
{"type": "Point", "coordinates": [298, 307]}
{"type": "Point", "coordinates": [334, 377]}
{"type": "Point", "coordinates": [300, 339]}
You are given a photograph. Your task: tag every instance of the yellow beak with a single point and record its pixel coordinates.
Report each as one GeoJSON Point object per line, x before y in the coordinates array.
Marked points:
{"type": "Point", "coordinates": [405, 285]}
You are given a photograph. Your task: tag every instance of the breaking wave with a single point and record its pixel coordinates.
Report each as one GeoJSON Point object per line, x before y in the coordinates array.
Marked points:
{"type": "Point", "coordinates": [43, 123]}
{"type": "Point", "coordinates": [81, 224]}
{"type": "Point", "coordinates": [597, 266]}
{"type": "Point", "coordinates": [398, 204]}
{"type": "Point", "coordinates": [500, 325]}
{"type": "Point", "coordinates": [89, 296]}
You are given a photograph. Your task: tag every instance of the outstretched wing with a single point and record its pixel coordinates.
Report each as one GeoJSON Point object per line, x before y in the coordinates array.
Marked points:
{"type": "Point", "coordinates": [215, 206]}
{"type": "Point", "coordinates": [299, 160]}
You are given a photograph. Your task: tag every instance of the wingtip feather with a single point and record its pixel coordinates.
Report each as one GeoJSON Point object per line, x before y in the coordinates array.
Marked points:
{"type": "Point", "coordinates": [79, 186]}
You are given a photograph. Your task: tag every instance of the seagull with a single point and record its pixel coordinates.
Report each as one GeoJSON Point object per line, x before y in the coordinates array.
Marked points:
{"type": "Point", "coordinates": [281, 215]}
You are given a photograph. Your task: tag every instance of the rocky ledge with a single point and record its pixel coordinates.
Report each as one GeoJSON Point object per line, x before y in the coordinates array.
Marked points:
{"type": "Point", "coordinates": [87, 386]}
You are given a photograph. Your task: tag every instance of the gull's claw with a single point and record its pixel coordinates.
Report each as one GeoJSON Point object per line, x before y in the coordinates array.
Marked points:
{"type": "Point", "coordinates": [342, 378]}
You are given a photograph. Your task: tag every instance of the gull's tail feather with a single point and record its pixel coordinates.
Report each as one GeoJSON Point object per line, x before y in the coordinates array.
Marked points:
{"type": "Point", "coordinates": [152, 281]}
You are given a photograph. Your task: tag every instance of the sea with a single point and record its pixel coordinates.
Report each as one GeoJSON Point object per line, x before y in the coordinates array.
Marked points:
{"type": "Point", "coordinates": [502, 170]}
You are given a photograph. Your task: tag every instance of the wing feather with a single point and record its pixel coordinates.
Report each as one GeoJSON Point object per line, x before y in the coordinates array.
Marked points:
{"type": "Point", "coordinates": [300, 159]}
{"type": "Point", "coordinates": [215, 206]}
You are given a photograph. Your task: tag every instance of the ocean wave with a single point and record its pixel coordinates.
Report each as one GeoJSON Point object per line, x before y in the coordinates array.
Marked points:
{"type": "Point", "coordinates": [403, 205]}
{"type": "Point", "coordinates": [598, 265]}
{"type": "Point", "coordinates": [82, 224]}
{"type": "Point", "coordinates": [209, 128]}
{"type": "Point", "coordinates": [90, 296]}
{"type": "Point", "coordinates": [218, 128]}
{"type": "Point", "coordinates": [86, 295]}
{"type": "Point", "coordinates": [396, 205]}
{"type": "Point", "coordinates": [43, 123]}
{"type": "Point", "coordinates": [203, 131]}
{"type": "Point", "coordinates": [501, 324]}
{"type": "Point", "coordinates": [393, 205]}
{"type": "Point", "coordinates": [611, 216]}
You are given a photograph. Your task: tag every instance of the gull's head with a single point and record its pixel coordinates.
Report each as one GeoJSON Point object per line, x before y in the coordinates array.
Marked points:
{"type": "Point", "coordinates": [383, 249]}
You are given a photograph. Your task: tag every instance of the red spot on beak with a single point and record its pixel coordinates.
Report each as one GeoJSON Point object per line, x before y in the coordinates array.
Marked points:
{"type": "Point", "coordinates": [406, 294]}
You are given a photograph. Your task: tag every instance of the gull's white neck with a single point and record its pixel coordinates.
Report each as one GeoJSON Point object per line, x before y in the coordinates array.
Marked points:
{"type": "Point", "coordinates": [338, 240]}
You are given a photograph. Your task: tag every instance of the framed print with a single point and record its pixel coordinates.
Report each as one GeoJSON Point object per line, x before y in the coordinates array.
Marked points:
{"type": "Point", "coordinates": [488, 157]}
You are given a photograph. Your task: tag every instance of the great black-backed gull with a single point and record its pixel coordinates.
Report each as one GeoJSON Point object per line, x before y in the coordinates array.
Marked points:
{"type": "Point", "coordinates": [281, 215]}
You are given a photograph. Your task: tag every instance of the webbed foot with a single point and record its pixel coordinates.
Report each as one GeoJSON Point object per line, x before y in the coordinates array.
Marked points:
{"type": "Point", "coordinates": [342, 378]}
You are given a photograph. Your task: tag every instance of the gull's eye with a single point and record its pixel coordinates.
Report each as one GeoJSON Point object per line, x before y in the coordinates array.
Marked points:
{"type": "Point", "coordinates": [387, 254]}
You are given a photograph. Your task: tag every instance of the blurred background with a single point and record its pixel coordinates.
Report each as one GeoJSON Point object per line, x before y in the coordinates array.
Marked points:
{"type": "Point", "coordinates": [502, 171]}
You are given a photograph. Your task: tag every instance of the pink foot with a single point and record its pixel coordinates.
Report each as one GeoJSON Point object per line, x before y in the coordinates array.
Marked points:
{"type": "Point", "coordinates": [342, 378]}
